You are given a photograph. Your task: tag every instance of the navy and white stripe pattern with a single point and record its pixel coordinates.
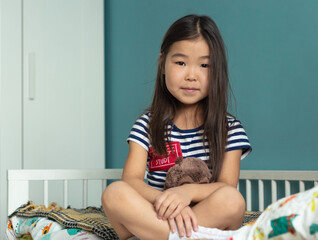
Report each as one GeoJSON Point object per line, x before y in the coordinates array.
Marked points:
{"type": "Point", "coordinates": [190, 141]}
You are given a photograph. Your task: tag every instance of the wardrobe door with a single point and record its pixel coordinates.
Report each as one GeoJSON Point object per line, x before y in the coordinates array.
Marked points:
{"type": "Point", "coordinates": [63, 84]}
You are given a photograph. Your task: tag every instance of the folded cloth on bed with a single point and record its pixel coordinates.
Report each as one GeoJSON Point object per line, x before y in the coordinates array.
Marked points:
{"type": "Point", "coordinates": [293, 217]}
{"type": "Point", "coordinates": [90, 219]}
{"type": "Point", "coordinates": [204, 233]}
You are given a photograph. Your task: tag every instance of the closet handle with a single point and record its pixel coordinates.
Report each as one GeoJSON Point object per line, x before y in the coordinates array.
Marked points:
{"type": "Point", "coordinates": [31, 76]}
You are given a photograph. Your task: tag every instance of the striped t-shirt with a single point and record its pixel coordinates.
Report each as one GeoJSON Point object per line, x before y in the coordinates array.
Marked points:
{"type": "Point", "coordinates": [185, 143]}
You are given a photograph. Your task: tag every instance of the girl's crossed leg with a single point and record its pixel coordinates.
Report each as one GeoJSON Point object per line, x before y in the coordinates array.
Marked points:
{"type": "Point", "coordinates": [130, 214]}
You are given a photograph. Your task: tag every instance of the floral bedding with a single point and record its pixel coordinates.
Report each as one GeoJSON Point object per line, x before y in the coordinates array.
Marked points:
{"type": "Point", "coordinates": [31, 221]}
{"type": "Point", "coordinates": [44, 228]}
{"type": "Point", "coordinates": [293, 217]}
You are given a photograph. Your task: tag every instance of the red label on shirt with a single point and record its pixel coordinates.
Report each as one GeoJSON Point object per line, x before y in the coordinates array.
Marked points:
{"type": "Point", "coordinates": [159, 163]}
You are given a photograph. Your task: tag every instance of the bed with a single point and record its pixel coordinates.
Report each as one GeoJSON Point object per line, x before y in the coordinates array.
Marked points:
{"type": "Point", "coordinates": [260, 189]}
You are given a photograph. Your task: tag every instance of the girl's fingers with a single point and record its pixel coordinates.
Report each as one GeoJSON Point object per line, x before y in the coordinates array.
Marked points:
{"type": "Point", "coordinates": [172, 225]}
{"type": "Point", "coordinates": [177, 211]}
{"type": "Point", "coordinates": [159, 205]}
{"type": "Point", "coordinates": [185, 222]}
{"type": "Point", "coordinates": [170, 209]}
{"type": "Point", "coordinates": [190, 219]}
{"type": "Point", "coordinates": [180, 225]}
{"type": "Point", "coordinates": [194, 221]}
{"type": "Point", "coordinates": [163, 208]}
{"type": "Point", "coordinates": [158, 202]}
{"type": "Point", "coordinates": [171, 201]}
{"type": "Point", "coordinates": [187, 225]}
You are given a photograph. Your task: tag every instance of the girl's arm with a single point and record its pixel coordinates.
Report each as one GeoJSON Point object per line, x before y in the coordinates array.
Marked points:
{"type": "Point", "coordinates": [173, 200]}
{"type": "Point", "coordinates": [229, 175]}
{"type": "Point", "coordinates": [230, 171]}
{"type": "Point", "coordinates": [134, 172]}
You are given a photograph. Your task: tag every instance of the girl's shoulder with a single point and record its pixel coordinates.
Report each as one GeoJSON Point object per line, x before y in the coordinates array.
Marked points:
{"type": "Point", "coordinates": [143, 120]}
{"type": "Point", "coordinates": [231, 118]}
{"type": "Point", "coordinates": [144, 115]}
{"type": "Point", "coordinates": [232, 121]}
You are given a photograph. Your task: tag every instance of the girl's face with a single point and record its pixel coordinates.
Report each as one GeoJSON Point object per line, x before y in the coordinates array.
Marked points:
{"type": "Point", "coordinates": [187, 71]}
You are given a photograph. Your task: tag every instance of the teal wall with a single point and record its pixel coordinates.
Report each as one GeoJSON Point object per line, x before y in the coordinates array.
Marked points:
{"type": "Point", "coordinates": [272, 49]}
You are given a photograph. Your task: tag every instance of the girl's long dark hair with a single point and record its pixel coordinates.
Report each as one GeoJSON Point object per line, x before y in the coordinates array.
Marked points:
{"type": "Point", "coordinates": [164, 106]}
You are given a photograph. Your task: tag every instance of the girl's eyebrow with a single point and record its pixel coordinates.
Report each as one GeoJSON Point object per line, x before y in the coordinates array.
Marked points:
{"type": "Point", "coordinates": [185, 56]}
{"type": "Point", "coordinates": [179, 55]}
{"type": "Point", "coordinates": [205, 57]}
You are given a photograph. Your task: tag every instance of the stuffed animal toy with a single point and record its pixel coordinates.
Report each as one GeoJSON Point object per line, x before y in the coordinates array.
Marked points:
{"type": "Point", "coordinates": [187, 170]}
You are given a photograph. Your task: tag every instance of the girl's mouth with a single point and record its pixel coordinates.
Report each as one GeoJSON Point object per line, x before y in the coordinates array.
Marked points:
{"type": "Point", "coordinates": [190, 90]}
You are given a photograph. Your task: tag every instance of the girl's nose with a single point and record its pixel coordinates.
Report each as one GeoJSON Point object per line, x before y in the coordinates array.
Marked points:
{"type": "Point", "coordinates": [190, 78]}
{"type": "Point", "coordinates": [191, 75]}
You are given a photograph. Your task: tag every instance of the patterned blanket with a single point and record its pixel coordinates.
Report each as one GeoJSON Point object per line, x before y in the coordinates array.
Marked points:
{"type": "Point", "coordinates": [90, 219]}
{"type": "Point", "coordinates": [250, 217]}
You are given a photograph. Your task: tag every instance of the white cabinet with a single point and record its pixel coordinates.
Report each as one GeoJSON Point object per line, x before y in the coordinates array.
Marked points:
{"type": "Point", "coordinates": [52, 88]}
{"type": "Point", "coordinates": [63, 84]}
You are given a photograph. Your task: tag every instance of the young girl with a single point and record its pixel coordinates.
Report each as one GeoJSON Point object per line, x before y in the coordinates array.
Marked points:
{"type": "Point", "coordinates": [188, 117]}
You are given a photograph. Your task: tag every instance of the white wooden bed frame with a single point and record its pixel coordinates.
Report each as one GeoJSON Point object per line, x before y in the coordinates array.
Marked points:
{"type": "Point", "coordinates": [18, 183]}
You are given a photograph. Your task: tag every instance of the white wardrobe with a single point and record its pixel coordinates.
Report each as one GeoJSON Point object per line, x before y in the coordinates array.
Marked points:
{"type": "Point", "coordinates": [52, 87]}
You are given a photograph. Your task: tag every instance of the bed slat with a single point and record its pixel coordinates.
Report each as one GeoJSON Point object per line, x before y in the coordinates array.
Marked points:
{"type": "Point", "coordinates": [274, 190]}
{"type": "Point", "coordinates": [301, 186]}
{"type": "Point", "coordinates": [85, 195]}
{"type": "Point", "coordinates": [261, 195]}
{"type": "Point", "coordinates": [287, 188]}
{"type": "Point", "coordinates": [46, 193]}
{"type": "Point", "coordinates": [248, 195]}
{"type": "Point", "coordinates": [65, 194]}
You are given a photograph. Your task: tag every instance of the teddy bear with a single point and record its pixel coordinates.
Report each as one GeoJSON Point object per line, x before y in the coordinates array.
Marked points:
{"type": "Point", "coordinates": [187, 170]}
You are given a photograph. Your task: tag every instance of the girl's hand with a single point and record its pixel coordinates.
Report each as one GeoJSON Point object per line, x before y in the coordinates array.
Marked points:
{"type": "Point", "coordinates": [186, 220]}
{"type": "Point", "coordinates": [170, 203]}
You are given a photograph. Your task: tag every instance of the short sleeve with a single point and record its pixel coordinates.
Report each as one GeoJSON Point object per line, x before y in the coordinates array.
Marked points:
{"type": "Point", "coordinates": [237, 138]}
{"type": "Point", "coordinates": [139, 132]}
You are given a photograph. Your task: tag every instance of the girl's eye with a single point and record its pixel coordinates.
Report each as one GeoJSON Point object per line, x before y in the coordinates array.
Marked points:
{"type": "Point", "coordinates": [180, 63]}
{"type": "Point", "coordinates": [205, 65]}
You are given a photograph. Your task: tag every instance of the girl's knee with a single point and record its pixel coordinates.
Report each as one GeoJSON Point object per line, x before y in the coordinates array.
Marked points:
{"type": "Point", "coordinates": [233, 201]}
{"type": "Point", "coordinates": [114, 193]}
